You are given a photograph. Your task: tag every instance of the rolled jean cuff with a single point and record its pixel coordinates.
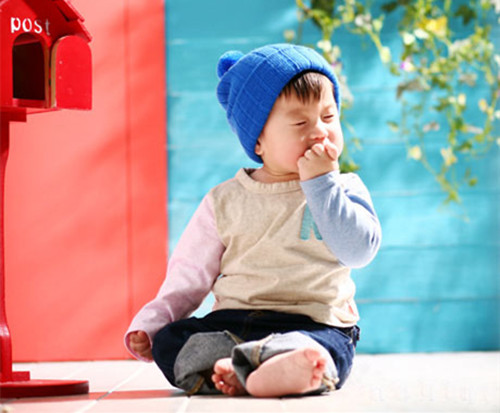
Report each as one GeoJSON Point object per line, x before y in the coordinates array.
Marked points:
{"type": "Point", "coordinates": [194, 363]}
{"type": "Point", "coordinates": [247, 357]}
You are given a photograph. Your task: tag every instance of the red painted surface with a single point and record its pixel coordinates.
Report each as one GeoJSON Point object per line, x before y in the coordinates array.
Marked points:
{"type": "Point", "coordinates": [85, 196]}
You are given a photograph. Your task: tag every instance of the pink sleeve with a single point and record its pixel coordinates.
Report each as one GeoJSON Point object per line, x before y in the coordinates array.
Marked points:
{"type": "Point", "coordinates": [191, 272]}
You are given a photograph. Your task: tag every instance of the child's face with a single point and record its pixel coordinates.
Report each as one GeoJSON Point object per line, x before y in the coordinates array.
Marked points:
{"type": "Point", "coordinates": [294, 127]}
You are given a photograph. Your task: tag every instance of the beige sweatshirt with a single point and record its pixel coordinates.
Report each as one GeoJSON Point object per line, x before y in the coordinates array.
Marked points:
{"type": "Point", "coordinates": [267, 263]}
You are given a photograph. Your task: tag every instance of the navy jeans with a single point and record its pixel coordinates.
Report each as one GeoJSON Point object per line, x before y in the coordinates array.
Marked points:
{"type": "Point", "coordinates": [241, 326]}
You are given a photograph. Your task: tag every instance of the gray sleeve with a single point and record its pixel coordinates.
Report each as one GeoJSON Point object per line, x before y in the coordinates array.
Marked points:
{"type": "Point", "coordinates": [342, 209]}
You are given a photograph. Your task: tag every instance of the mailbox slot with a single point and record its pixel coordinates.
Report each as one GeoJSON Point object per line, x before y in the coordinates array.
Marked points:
{"type": "Point", "coordinates": [28, 68]}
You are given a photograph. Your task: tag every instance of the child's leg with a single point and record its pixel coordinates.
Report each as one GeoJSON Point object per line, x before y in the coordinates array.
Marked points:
{"type": "Point", "coordinates": [281, 364]}
{"type": "Point", "coordinates": [177, 363]}
{"type": "Point", "coordinates": [193, 366]}
{"type": "Point", "coordinates": [168, 342]}
{"type": "Point", "coordinates": [341, 345]}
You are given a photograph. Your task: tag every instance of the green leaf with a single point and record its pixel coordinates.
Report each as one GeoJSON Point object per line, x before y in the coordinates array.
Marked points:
{"type": "Point", "coordinates": [389, 7]}
{"type": "Point", "coordinates": [452, 197]}
{"type": "Point", "coordinates": [324, 5]}
{"type": "Point", "coordinates": [443, 104]}
{"type": "Point", "coordinates": [348, 166]}
{"type": "Point", "coordinates": [472, 182]}
{"type": "Point", "coordinates": [466, 13]}
{"type": "Point", "coordinates": [393, 126]}
{"type": "Point", "coordinates": [413, 85]}
{"type": "Point", "coordinates": [464, 147]}
{"type": "Point", "coordinates": [377, 24]}
{"type": "Point", "coordinates": [385, 55]}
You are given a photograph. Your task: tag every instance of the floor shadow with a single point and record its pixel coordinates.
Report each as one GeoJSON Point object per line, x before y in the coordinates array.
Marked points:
{"type": "Point", "coordinates": [144, 394]}
{"type": "Point", "coordinates": [117, 395]}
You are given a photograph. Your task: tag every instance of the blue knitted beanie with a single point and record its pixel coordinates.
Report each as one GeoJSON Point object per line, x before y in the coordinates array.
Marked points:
{"type": "Point", "coordinates": [250, 84]}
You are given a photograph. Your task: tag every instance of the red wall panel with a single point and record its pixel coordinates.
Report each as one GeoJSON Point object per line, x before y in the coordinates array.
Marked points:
{"type": "Point", "coordinates": [85, 207]}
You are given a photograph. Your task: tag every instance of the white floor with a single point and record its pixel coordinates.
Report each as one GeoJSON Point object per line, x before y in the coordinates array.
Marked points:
{"type": "Point", "coordinates": [446, 382]}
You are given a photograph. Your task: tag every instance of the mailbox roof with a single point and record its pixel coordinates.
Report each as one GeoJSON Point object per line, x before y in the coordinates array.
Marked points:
{"type": "Point", "coordinates": [72, 15]}
{"type": "Point", "coordinates": [69, 12]}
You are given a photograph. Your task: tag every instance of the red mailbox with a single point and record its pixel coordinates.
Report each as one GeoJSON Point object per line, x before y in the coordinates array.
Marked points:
{"type": "Point", "coordinates": [46, 60]}
{"type": "Point", "coordinates": [46, 65]}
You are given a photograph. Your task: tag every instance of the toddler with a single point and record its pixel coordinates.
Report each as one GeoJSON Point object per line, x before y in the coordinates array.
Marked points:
{"type": "Point", "coordinates": [274, 244]}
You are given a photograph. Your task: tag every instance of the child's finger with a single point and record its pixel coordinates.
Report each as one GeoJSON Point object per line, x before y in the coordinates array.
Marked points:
{"type": "Point", "coordinates": [134, 338]}
{"type": "Point", "coordinates": [138, 337]}
{"type": "Point", "coordinates": [142, 336]}
{"type": "Point", "coordinates": [146, 354]}
{"type": "Point", "coordinates": [143, 345]}
{"type": "Point", "coordinates": [332, 151]}
{"type": "Point", "coordinates": [318, 149]}
{"type": "Point", "coordinates": [308, 154]}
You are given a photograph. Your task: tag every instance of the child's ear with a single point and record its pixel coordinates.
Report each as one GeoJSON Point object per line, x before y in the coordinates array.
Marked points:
{"type": "Point", "coordinates": [258, 147]}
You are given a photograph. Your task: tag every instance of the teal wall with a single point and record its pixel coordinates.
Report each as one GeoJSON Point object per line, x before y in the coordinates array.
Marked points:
{"type": "Point", "coordinates": [434, 285]}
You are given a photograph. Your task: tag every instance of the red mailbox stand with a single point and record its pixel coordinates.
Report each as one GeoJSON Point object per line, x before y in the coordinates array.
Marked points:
{"type": "Point", "coordinates": [46, 65]}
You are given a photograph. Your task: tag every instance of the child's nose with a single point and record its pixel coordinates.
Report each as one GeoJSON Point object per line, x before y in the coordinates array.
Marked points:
{"type": "Point", "coordinates": [319, 132]}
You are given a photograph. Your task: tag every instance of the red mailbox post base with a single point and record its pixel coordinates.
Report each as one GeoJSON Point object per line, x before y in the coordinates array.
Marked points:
{"type": "Point", "coordinates": [18, 384]}
{"type": "Point", "coordinates": [42, 388]}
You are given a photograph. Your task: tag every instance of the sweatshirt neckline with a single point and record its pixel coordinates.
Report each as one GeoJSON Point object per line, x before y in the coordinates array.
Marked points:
{"type": "Point", "coordinates": [243, 176]}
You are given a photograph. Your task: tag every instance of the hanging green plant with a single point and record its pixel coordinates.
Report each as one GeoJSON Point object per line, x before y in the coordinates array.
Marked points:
{"type": "Point", "coordinates": [439, 69]}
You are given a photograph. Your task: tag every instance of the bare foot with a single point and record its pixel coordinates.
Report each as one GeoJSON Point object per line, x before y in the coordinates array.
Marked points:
{"type": "Point", "coordinates": [225, 378]}
{"type": "Point", "coordinates": [295, 372]}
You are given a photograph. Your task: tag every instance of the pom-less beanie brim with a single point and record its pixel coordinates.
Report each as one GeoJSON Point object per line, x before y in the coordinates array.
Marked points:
{"type": "Point", "coordinates": [250, 84]}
